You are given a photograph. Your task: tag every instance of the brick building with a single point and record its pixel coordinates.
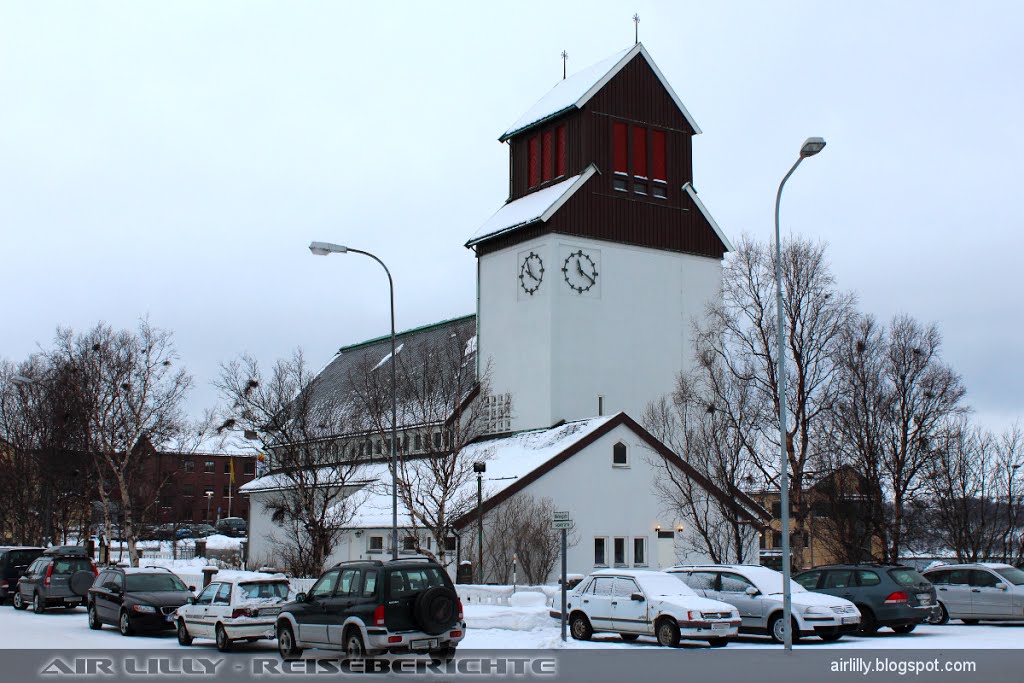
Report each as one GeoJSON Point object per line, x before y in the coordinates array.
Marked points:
{"type": "Point", "coordinates": [198, 487]}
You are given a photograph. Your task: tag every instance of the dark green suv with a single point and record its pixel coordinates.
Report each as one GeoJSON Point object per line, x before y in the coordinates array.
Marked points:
{"type": "Point", "coordinates": [886, 595]}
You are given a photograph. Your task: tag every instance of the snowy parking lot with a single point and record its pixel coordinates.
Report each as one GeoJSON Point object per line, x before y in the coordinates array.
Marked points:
{"type": "Point", "coordinates": [491, 627]}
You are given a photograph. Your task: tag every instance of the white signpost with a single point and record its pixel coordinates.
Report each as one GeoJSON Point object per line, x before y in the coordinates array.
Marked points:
{"type": "Point", "coordinates": [562, 521]}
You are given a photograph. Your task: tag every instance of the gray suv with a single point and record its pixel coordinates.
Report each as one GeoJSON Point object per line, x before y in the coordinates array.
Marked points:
{"type": "Point", "coordinates": [886, 595]}
{"type": "Point", "coordinates": [61, 576]}
{"type": "Point", "coordinates": [975, 592]}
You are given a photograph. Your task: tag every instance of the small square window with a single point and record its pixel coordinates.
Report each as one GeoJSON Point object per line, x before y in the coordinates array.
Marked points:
{"type": "Point", "coordinates": [619, 184]}
{"type": "Point", "coordinates": [249, 468]}
{"type": "Point", "coordinates": [210, 466]}
{"type": "Point", "coordinates": [659, 191]}
{"type": "Point", "coordinates": [620, 455]}
{"type": "Point", "coordinates": [376, 544]}
{"type": "Point", "coordinates": [640, 188]}
{"type": "Point", "coordinates": [190, 466]}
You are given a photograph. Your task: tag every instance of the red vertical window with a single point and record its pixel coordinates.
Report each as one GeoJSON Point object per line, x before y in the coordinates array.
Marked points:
{"type": "Point", "coordinates": [547, 151]}
{"type": "Point", "coordinates": [560, 162]}
{"type": "Point", "coordinates": [658, 170]}
{"type": "Point", "coordinates": [533, 162]}
{"type": "Point", "coordinates": [640, 151]}
{"type": "Point", "coordinates": [620, 163]}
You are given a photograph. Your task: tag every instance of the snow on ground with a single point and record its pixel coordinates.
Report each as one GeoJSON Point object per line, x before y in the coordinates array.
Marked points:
{"type": "Point", "coordinates": [492, 627]}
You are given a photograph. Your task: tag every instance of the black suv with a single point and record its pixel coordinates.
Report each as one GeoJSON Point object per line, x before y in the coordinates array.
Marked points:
{"type": "Point", "coordinates": [368, 607]}
{"type": "Point", "coordinates": [886, 595]}
{"type": "Point", "coordinates": [61, 576]}
{"type": "Point", "coordinates": [235, 527]}
{"type": "Point", "coordinates": [14, 560]}
{"type": "Point", "coordinates": [136, 599]}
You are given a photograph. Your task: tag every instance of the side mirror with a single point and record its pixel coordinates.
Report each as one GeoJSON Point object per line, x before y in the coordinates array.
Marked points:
{"type": "Point", "coordinates": [192, 588]}
{"type": "Point", "coordinates": [1002, 586]}
{"type": "Point", "coordinates": [639, 597]}
{"type": "Point", "coordinates": [751, 591]}
{"type": "Point", "coordinates": [190, 601]}
{"type": "Point", "coordinates": [301, 597]}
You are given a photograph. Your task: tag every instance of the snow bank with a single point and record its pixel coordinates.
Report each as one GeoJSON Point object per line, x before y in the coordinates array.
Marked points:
{"type": "Point", "coordinates": [222, 542]}
{"type": "Point", "coordinates": [477, 594]}
{"type": "Point", "coordinates": [507, 618]}
{"type": "Point", "coordinates": [528, 599]}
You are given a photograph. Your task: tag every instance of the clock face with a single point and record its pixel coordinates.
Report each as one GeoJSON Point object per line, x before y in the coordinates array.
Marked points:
{"type": "Point", "coordinates": [580, 271]}
{"type": "Point", "coordinates": [531, 273]}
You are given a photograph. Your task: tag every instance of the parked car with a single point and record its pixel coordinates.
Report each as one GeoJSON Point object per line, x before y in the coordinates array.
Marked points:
{"type": "Point", "coordinates": [61, 576]}
{"type": "Point", "coordinates": [368, 607]}
{"type": "Point", "coordinates": [14, 560]}
{"type": "Point", "coordinates": [633, 602]}
{"type": "Point", "coordinates": [757, 593]}
{"type": "Point", "coordinates": [886, 595]}
{"type": "Point", "coordinates": [236, 527]}
{"type": "Point", "coordinates": [977, 592]}
{"type": "Point", "coordinates": [136, 599]}
{"type": "Point", "coordinates": [201, 530]}
{"type": "Point", "coordinates": [240, 608]}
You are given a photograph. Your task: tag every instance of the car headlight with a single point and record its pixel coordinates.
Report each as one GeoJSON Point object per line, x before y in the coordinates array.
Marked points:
{"type": "Point", "coordinates": [145, 609]}
{"type": "Point", "coordinates": [817, 611]}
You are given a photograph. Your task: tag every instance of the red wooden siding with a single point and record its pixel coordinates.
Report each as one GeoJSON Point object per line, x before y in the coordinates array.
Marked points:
{"type": "Point", "coordinates": [547, 151]}
{"type": "Point", "coordinates": [620, 156]}
{"type": "Point", "coordinates": [534, 161]}
{"type": "Point", "coordinates": [560, 151]}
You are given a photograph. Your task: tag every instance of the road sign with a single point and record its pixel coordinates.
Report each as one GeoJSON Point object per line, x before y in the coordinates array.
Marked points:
{"type": "Point", "coordinates": [560, 516]}
{"type": "Point", "coordinates": [561, 524]}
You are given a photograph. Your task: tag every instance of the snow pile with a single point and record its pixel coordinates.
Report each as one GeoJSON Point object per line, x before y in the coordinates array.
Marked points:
{"type": "Point", "coordinates": [507, 618]}
{"type": "Point", "coordinates": [221, 542]}
{"type": "Point", "coordinates": [528, 599]}
{"type": "Point", "coordinates": [477, 594]}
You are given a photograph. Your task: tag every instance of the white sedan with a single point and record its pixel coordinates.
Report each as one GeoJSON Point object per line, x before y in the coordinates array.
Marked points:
{"type": "Point", "coordinates": [243, 607]}
{"type": "Point", "coordinates": [634, 602]}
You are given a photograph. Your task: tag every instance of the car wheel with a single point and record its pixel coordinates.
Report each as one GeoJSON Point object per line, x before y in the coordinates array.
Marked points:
{"type": "Point", "coordinates": [868, 623]}
{"type": "Point", "coordinates": [354, 646]}
{"type": "Point", "coordinates": [183, 637]}
{"type": "Point", "coordinates": [667, 631]}
{"type": "Point", "coordinates": [775, 630]}
{"type": "Point", "coordinates": [628, 637]}
{"type": "Point", "coordinates": [38, 604]}
{"type": "Point", "coordinates": [579, 627]}
{"type": "Point", "coordinates": [938, 616]}
{"type": "Point", "coordinates": [94, 619]}
{"type": "Point", "coordinates": [831, 637]}
{"type": "Point", "coordinates": [223, 642]}
{"type": "Point", "coordinates": [124, 624]}
{"type": "Point", "coordinates": [904, 628]}
{"type": "Point", "coordinates": [970, 622]}
{"type": "Point", "coordinates": [18, 602]}
{"type": "Point", "coordinates": [718, 642]}
{"type": "Point", "coordinates": [286, 642]}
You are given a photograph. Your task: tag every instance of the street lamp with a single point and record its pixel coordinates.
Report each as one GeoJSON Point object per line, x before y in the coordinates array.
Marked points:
{"type": "Point", "coordinates": [810, 147]}
{"type": "Point", "coordinates": [323, 249]}
{"type": "Point", "coordinates": [480, 468]}
{"type": "Point", "coordinates": [209, 497]}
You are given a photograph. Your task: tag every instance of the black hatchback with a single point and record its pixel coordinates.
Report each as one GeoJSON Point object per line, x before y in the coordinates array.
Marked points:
{"type": "Point", "coordinates": [136, 599]}
{"type": "Point", "coordinates": [886, 595]}
{"type": "Point", "coordinates": [14, 560]}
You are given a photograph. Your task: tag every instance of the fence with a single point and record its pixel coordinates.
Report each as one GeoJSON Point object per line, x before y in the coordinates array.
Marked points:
{"type": "Point", "coordinates": [473, 594]}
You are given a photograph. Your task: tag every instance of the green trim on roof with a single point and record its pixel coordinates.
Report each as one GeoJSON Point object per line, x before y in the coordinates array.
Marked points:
{"type": "Point", "coordinates": [399, 335]}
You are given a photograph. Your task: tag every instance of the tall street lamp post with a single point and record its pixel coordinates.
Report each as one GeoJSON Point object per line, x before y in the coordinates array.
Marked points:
{"type": "Point", "coordinates": [323, 249]}
{"type": "Point", "coordinates": [480, 468]}
{"type": "Point", "coordinates": [810, 147]}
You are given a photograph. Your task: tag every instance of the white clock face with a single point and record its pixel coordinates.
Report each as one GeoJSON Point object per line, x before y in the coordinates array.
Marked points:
{"type": "Point", "coordinates": [580, 271]}
{"type": "Point", "coordinates": [531, 273]}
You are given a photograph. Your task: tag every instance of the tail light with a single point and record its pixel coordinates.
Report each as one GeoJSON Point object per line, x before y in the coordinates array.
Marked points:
{"type": "Point", "coordinates": [95, 572]}
{"type": "Point", "coordinates": [378, 616]}
{"type": "Point", "coordinates": [49, 573]}
{"type": "Point", "coordinates": [896, 598]}
{"type": "Point", "coordinates": [460, 609]}
{"type": "Point", "coordinates": [243, 612]}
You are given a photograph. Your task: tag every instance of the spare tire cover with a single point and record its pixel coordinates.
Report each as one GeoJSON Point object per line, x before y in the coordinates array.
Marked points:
{"type": "Point", "coordinates": [81, 581]}
{"type": "Point", "coordinates": [436, 610]}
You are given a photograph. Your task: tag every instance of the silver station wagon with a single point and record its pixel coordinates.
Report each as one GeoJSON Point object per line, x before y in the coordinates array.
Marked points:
{"type": "Point", "coordinates": [976, 592]}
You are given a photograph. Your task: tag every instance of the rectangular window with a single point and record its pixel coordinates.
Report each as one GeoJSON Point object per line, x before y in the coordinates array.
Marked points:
{"type": "Point", "coordinates": [210, 466]}
{"type": "Point", "coordinates": [449, 543]}
{"type": "Point", "coordinates": [658, 167]}
{"type": "Point", "coordinates": [620, 158]}
{"type": "Point", "coordinates": [190, 466]}
{"type": "Point", "coordinates": [418, 441]}
{"type": "Point", "coordinates": [547, 152]}
{"type": "Point", "coordinates": [640, 188]}
{"type": "Point", "coordinates": [619, 184]}
{"type": "Point", "coordinates": [619, 552]}
{"type": "Point", "coordinates": [227, 467]}
{"type": "Point", "coordinates": [437, 439]}
{"type": "Point", "coordinates": [560, 161]}
{"type": "Point", "coordinates": [640, 151]}
{"type": "Point", "coordinates": [188, 490]}
{"type": "Point", "coordinates": [639, 552]}
{"type": "Point", "coordinates": [600, 552]}
{"type": "Point", "coordinates": [659, 191]}
{"type": "Point", "coordinates": [249, 468]}
{"type": "Point", "coordinates": [409, 544]}
{"type": "Point", "coordinates": [533, 161]}
{"type": "Point", "coordinates": [376, 544]}
{"type": "Point", "coordinates": [224, 491]}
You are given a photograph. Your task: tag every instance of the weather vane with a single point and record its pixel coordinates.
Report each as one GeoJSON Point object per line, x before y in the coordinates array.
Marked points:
{"type": "Point", "coordinates": [636, 29]}
{"type": "Point", "coordinates": [565, 59]}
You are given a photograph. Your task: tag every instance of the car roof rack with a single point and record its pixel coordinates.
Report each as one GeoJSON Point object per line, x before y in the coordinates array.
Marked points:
{"type": "Point", "coordinates": [413, 558]}
{"type": "Point", "coordinates": [66, 550]}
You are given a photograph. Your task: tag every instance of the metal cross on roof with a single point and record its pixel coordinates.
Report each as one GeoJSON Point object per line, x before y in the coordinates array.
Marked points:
{"type": "Point", "coordinates": [636, 29]}
{"type": "Point", "coordinates": [565, 59]}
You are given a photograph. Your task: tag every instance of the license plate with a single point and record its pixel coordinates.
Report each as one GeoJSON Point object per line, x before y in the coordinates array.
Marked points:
{"type": "Point", "coordinates": [924, 598]}
{"type": "Point", "coordinates": [719, 627]}
{"type": "Point", "coordinates": [72, 601]}
{"type": "Point", "coordinates": [851, 620]}
{"type": "Point", "coordinates": [269, 611]}
{"type": "Point", "coordinates": [425, 644]}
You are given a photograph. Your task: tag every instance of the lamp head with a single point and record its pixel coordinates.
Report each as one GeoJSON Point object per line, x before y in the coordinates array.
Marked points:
{"type": "Point", "coordinates": [479, 467]}
{"type": "Point", "coordinates": [325, 248]}
{"type": "Point", "coordinates": [811, 147]}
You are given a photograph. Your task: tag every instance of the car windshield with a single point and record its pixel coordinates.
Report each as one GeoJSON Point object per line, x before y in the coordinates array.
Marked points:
{"type": "Point", "coordinates": [664, 584]}
{"type": "Point", "coordinates": [145, 583]}
{"type": "Point", "coordinates": [768, 581]}
{"type": "Point", "coordinates": [414, 580]}
{"type": "Point", "coordinates": [263, 590]}
{"type": "Point", "coordinates": [907, 577]}
{"type": "Point", "coordinates": [70, 565]}
{"type": "Point", "coordinates": [1011, 574]}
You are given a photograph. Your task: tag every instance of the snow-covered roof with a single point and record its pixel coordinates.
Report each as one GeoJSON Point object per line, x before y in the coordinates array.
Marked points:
{"type": "Point", "coordinates": [576, 90]}
{"type": "Point", "coordinates": [319, 477]}
{"type": "Point", "coordinates": [689, 189]}
{"type": "Point", "coordinates": [536, 206]}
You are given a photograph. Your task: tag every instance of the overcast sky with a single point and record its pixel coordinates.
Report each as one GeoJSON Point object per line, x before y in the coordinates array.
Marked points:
{"type": "Point", "coordinates": [174, 159]}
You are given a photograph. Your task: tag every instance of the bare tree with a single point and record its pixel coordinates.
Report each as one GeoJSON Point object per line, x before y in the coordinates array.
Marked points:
{"type": "Point", "coordinates": [519, 534]}
{"type": "Point", "coordinates": [317, 493]}
{"type": "Point", "coordinates": [741, 332]}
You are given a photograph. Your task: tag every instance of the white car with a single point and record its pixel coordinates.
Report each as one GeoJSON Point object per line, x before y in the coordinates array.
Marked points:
{"type": "Point", "coordinates": [757, 593]}
{"type": "Point", "coordinates": [243, 607]}
{"type": "Point", "coordinates": [634, 602]}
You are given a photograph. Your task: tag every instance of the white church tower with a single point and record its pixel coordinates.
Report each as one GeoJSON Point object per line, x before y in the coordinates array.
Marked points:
{"type": "Point", "coordinates": [591, 275]}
